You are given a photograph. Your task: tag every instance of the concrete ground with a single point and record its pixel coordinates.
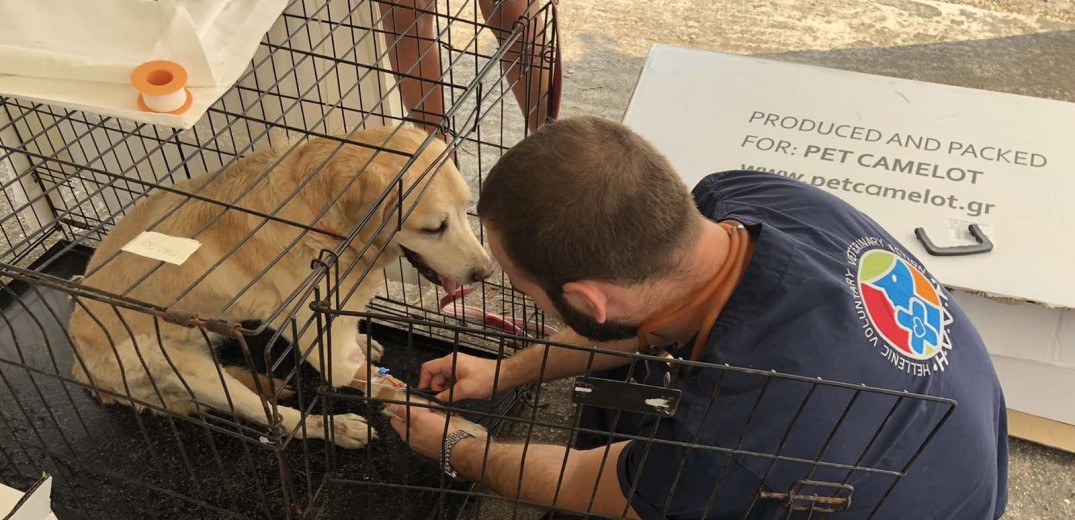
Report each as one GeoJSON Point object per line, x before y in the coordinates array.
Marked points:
{"type": "Point", "coordinates": [1019, 46]}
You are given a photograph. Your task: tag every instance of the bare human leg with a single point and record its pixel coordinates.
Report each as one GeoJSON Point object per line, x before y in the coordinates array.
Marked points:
{"type": "Point", "coordinates": [527, 55]}
{"type": "Point", "coordinates": [409, 25]}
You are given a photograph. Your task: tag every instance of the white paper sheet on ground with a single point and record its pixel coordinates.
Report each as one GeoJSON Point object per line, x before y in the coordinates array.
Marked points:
{"type": "Point", "coordinates": [80, 55]}
{"type": "Point", "coordinates": [34, 504]}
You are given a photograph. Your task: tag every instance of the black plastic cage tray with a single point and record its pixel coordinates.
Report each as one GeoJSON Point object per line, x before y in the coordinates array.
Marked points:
{"type": "Point", "coordinates": [111, 462]}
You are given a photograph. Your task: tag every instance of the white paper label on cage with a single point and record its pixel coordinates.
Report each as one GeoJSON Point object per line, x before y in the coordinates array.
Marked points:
{"type": "Point", "coordinates": [662, 405]}
{"type": "Point", "coordinates": [166, 248]}
{"type": "Point", "coordinates": [959, 231]}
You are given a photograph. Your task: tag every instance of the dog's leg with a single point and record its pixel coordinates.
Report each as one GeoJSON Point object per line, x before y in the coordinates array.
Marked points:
{"type": "Point", "coordinates": [348, 430]}
{"type": "Point", "coordinates": [350, 349]}
{"type": "Point", "coordinates": [374, 350]}
{"type": "Point", "coordinates": [253, 381]}
{"type": "Point", "coordinates": [319, 349]}
{"type": "Point", "coordinates": [364, 347]}
{"type": "Point", "coordinates": [348, 353]}
{"type": "Point", "coordinates": [340, 348]}
{"type": "Point", "coordinates": [370, 348]}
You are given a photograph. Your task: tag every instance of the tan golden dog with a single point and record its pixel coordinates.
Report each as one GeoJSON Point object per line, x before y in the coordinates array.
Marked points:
{"type": "Point", "coordinates": [248, 265]}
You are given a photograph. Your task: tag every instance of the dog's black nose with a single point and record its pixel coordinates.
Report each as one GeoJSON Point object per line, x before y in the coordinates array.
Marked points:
{"type": "Point", "coordinates": [480, 274]}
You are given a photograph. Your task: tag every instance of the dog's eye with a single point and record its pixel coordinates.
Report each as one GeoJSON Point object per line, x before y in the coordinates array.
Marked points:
{"type": "Point", "coordinates": [437, 230]}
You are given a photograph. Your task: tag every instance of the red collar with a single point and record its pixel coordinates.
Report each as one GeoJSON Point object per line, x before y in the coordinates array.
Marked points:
{"type": "Point", "coordinates": [323, 226]}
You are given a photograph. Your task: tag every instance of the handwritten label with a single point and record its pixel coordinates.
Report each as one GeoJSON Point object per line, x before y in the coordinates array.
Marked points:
{"type": "Point", "coordinates": [166, 248]}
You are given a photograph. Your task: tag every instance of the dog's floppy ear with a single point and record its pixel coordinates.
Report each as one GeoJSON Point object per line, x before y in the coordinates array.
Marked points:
{"type": "Point", "coordinates": [366, 175]}
{"type": "Point", "coordinates": [359, 186]}
{"type": "Point", "coordinates": [373, 199]}
{"type": "Point", "coordinates": [382, 187]}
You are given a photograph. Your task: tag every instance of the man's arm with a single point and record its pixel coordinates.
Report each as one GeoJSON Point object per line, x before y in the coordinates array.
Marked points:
{"type": "Point", "coordinates": [533, 365]}
{"type": "Point", "coordinates": [588, 475]}
{"type": "Point", "coordinates": [471, 377]}
{"type": "Point", "coordinates": [590, 482]}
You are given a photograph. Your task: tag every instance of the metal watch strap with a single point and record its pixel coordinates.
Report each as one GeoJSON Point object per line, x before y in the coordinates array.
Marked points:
{"type": "Point", "coordinates": [446, 453]}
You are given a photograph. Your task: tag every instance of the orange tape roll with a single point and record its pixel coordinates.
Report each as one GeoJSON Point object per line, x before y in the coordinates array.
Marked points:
{"type": "Point", "coordinates": [162, 86]}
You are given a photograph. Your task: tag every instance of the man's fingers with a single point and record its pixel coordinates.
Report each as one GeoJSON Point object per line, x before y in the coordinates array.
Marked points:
{"type": "Point", "coordinates": [428, 373]}
{"type": "Point", "coordinates": [451, 394]}
{"type": "Point", "coordinates": [440, 382]}
{"type": "Point", "coordinates": [433, 369]}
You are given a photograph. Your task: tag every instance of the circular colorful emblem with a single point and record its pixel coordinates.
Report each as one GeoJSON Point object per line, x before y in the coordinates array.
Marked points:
{"type": "Point", "coordinates": [902, 305]}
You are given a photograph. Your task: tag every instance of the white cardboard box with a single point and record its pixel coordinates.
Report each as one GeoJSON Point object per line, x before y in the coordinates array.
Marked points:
{"type": "Point", "coordinates": [910, 154]}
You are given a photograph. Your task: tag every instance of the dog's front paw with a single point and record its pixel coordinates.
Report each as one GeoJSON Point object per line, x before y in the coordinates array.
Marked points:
{"type": "Point", "coordinates": [376, 350]}
{"type": "Point", "coordinates": [352, 431]}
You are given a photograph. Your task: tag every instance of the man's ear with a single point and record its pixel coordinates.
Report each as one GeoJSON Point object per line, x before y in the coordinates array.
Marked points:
{"type": "Point", "coordinates": [588, 296]}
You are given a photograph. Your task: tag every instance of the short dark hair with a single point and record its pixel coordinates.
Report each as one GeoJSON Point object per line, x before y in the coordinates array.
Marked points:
{"type": "Point", "coordinates": [586, 198]}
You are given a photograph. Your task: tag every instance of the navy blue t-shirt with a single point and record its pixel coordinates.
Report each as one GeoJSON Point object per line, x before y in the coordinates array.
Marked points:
{"type": "Point", "coordinates": [827, 294]}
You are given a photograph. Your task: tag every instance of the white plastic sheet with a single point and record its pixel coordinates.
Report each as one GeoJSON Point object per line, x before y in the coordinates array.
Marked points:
{"type": "Point", "coordinates": [80, 54]}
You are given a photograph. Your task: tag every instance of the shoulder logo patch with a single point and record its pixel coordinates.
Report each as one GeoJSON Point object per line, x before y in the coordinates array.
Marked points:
{"type": "Point", "coordinates": [903, 313]}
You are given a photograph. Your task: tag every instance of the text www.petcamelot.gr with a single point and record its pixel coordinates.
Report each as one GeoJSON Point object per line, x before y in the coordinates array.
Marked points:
{"type": "Point", "coordinates": [972, 208]}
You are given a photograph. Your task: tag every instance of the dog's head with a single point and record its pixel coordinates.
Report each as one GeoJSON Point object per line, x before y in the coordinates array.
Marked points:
{"type": "Point", "coordinates": [436, 236]}
{"type": "Point", "coordinates": [421, 216]}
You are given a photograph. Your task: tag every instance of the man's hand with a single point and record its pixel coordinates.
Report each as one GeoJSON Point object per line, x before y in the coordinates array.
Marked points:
{"type": "Point", "coordinates": [472, 379]}
{"type": "Point", "coordinates": [426, 428]}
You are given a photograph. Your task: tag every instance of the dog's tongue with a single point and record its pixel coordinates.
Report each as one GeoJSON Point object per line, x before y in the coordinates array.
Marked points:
{"type": "Point", "coordinates": [453, 292]}
{"type": "Point", "coordinates": [448, 285]}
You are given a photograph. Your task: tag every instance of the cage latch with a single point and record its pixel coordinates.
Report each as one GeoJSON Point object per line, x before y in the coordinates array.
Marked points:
{"type": "Point", "coordinates": [806, 495]}
{"type": "Point", "coordinates": [177, 317]}
{"type": "Point", "coordinates": [222, 327]}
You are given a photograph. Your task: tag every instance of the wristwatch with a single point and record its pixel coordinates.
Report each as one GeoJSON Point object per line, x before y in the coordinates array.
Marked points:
{"type": "Point", "coordinates": [446, 453]}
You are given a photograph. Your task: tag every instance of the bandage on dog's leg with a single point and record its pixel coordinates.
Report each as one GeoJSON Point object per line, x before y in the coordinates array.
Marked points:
{"type": "Point", "coordinates": [365, 372]}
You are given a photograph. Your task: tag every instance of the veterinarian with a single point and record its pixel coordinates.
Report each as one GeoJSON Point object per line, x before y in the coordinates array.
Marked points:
{"type": "Point", "coordinates": [768, 273]}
